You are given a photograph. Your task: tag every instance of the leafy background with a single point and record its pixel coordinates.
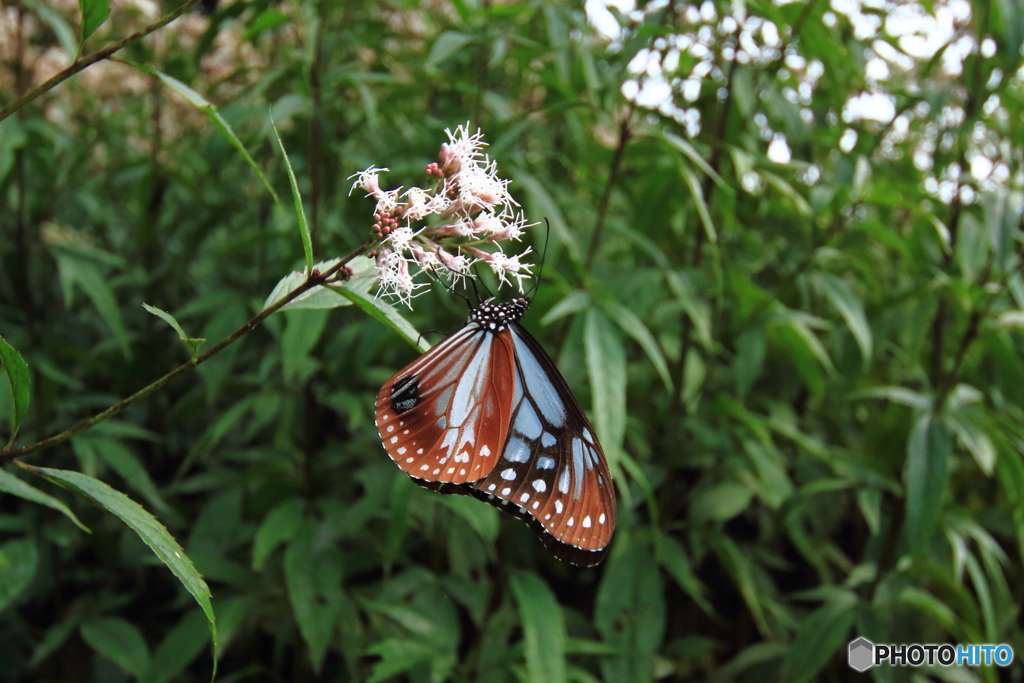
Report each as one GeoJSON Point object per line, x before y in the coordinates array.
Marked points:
{"type": "Point", "coordinates": [783, 275]}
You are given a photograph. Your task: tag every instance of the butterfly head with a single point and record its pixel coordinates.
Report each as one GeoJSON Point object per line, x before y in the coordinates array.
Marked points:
{"type": "Point", "coordinates": [496, 317]}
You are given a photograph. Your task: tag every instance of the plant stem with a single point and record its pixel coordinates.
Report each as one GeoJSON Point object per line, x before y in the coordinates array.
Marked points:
{"type": "Point", "coordinates": [311, 282]}
{"type": "Point", "coordinates": [89, 60]}
{"type": "Point", "coordinates": [602, 208]}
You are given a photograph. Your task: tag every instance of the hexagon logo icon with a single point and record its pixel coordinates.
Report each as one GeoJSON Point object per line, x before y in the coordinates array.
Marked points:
{"type": "Point", "coordinates": [860, 655]}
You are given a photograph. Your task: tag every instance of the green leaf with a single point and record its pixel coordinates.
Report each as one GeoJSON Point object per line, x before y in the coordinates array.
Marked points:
{"type": "Point", "coordinates": [300, 213]}
{"type": "Point", "coordinates": [632, 325]}
{"type": "Point", "coordinates": [574, 302]}
{"type": "Point", "coordinates": [630, 612]}
{"type": "Point", "coordinates": [672, 557]}
{"type": "Point", "coordinates": [697, 160]}
{"type": "Point", "coordinates": [301, 334]}
{"type": "Point", "coordinates": [313, 579]}
{"type": "Point", "coordinates": [721, 502]}
{"type": "Point", "coordinates": [119, 641]}
{"type": "Point", "coordinates": [819, 636]}
{"type": "Point", "coordinates": [128, 467]}
{"type": "Point", "coordinates": [208, 108]}
{"type": "Point", "coordinates": [16, 487]}
{"type": "Point", "coordinates": [698, 200]}
{"type": "Point", "coordinates": [19, 560]}
{"type": "Point", "coordinates": [87, 276]}
{"type": "Point", "coordinates": [278, 526]}
{"type": "Point", "coordinates": [191, 343]}
{"type": "Point", "coordinates": [385, 313]}
{"type": "Point", "coordinates": [906, 397]}
{"type": "Point", "coordinates": [65, 34]}
{"type": "Point", "coordinates": [543, 628]}
{"type": "Point", "coordinates": [446, 45]}
{"type": "Point", "coordinates": [925, 477]}
{"type": "Point", "coordinates": [482, 518]}
{"type": "Point", "coordinates": [606, 364]}
{"type": "Point", "coordinates": [94, 13]}
{"type": "Point", "coordinates": [363, 275]}
{"type": "Point", "coordinates": [16, 370]}
{"type": "Point", "coordinates": [146, 526]}
{"type": "Point", "coordinates": [179, 648]}
{"type": "Point", "coordinates": [849, 306]}
{"type": "Point", "coordinates": [975, 440]}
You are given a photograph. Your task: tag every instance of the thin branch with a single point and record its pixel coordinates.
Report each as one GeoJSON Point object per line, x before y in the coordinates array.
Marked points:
{"type": "Point", "coordinates": [625, 133]}
{"type": "Point", "coordinates": [313, 280]}
{"type": "Point", "coordinates": [89, 60]}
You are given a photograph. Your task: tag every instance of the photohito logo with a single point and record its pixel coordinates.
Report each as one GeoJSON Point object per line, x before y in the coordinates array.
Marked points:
{"type": "Point", "coordinates": [862, 654]}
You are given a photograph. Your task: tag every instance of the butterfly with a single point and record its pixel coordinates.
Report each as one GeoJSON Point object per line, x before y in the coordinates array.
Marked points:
{"type": "Point", "coordinates": [486, 413]}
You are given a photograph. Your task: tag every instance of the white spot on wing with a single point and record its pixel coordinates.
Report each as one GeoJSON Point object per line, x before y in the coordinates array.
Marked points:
{"type": "Point", "coordinates": [563, 480]}
{"type": "Point", "coordinates": [527, 423]}
{"type": "Point", "coordinates": [394, 439]}
{"type": "Point", "coordinates": [525, 497]}
{"type": "Point", "coordinates": [485, 450]}
{"type": "Point", "coordinates": [546, 463]}
{"type": "Point", "coordinates": [600, 520]}
{"type": "Point", "coordinates": [558, 506]}
{"type": "Point", "coordinates": [548, 440]}
{"type": "Point", "coordinates": [401, 451]}
{"type": "Point", "coordinates": [536, 504]}
{"type": "Point", "coordinates": [509, 474]}
{"type": "Point", "coordinates": [571, 521]}
{"type": "Point", "coordinates": [539, 486]}
{"type": "Point", "coordinates": [586, 522]}
{"type": "Point", "coordinates": [410, 459]}
{"type": "Point", "coordinates": [424, 468]}
{"type": "Point", "coordinates": [505, 491]}
{"type": "Point", "coordinates": [494, 486]}
{"type": "Point", "coordinates": [516, 450]}
{"type": "Point", "coordinates": [391, 428]}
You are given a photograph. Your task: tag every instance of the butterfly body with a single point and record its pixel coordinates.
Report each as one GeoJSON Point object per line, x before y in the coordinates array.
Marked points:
{"type": "Point", "coordinates": [486, 413]}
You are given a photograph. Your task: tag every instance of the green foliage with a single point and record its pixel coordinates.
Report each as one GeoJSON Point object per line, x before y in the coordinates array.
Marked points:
{"type": "Point", "coordinates": [788, 293]}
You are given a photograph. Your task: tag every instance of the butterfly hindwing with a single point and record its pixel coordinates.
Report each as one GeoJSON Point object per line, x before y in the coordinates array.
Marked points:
{"type": "Point", "coordinates": [552, 467]}
{"type": "Point", "coordinates": [487, 413]}
{"type": "Point", "coordinates": [444, 417]}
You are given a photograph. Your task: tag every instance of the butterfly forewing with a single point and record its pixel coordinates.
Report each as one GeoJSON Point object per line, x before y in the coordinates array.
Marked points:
{"type": "Point", "coordinates": [552, 466]}
{"type": "Point", "coordinates": [444, 418]}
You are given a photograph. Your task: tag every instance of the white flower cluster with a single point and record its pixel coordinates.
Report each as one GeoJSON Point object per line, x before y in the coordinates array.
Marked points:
{"type": "Point", "coordinates": [441, 231]}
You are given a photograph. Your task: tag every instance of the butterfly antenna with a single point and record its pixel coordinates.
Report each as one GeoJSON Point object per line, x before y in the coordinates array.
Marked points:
{"type": "Point", "coordinates": [543, 257]}
{"type": "Point", "coordinates": [451, 289]}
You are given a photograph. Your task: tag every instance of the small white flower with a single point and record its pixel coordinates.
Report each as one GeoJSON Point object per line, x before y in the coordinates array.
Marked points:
{"type": "Point", "coordinates": [368, 180]}
{"type": "Point", "coordinates": [419, 204]}
{"type": "Point", "coordinates": [510, 266]}
{"type": "Point", "coordinates": [456, 267]}
{"type": "Point", "coordinates": [387, 202]}
{"type": "Point", "coordinates": [400, 239]}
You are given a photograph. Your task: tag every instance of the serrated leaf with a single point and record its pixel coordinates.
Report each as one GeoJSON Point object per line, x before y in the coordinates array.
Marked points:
{"type": "Point", "coordinates": [606, 365]}
{"type": "Point", "coordinates": [94, 13]}
{"type": "Point", "coordinates": [151, 531]}
{"type": "Point", "coordinates": [300, 213]}
{"type": "Point", "coordinates": [543, 628]}
{"type": "Point", "coordinates": [16, 371]}
{"type": "Point", "coordinates": [16, 487]}
{"type": "Point", "coordinates": [119, 641]}
{"type": "Point", "coordinates": [819, 636]}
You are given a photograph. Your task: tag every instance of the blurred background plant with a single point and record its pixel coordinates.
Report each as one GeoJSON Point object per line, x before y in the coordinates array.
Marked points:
{"type": "Point", "coordinates": [783, 274]}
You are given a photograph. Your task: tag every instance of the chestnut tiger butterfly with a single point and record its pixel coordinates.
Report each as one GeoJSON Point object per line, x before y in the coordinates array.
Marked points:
{"type": "Point", "coordinates": [486, 413]}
